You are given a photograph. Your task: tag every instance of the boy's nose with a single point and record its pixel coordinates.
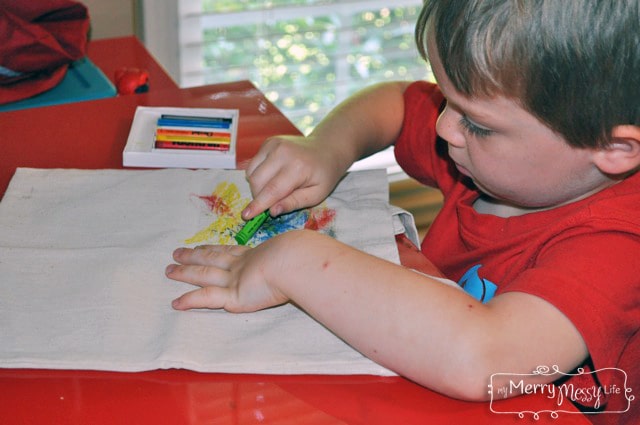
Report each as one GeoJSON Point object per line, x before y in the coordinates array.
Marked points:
{"type": "Point", "coordinates": [447, 127]}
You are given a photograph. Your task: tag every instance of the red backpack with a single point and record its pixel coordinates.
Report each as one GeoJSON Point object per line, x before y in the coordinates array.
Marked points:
{"type": "Point", "coordinates": [38, 40]}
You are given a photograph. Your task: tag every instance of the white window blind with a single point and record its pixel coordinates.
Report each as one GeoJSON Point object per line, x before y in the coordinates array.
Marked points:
{"type": "Point", "coordinates": [305, 55]}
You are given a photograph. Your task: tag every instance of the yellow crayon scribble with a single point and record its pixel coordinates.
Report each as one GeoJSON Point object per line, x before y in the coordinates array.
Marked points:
{"type": "Point", "coordinates": [218, 230]}
{"type": "Point", "coordinates": [226, 203]}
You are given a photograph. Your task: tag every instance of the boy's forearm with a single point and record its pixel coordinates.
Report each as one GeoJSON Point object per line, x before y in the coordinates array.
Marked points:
{"type": "Point", "coordinates": [365, 123]}
{"type": "Point", "coordinates": [432, 333]}
{"type": "Point", "coordinates": [385, 311]}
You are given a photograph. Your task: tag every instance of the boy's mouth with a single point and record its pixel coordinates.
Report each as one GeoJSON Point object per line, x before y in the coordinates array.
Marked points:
{"type": "Point", "coordinates": [462, 170]}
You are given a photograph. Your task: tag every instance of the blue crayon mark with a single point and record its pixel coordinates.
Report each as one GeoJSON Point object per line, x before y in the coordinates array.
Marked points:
{"type": "Point", "coordinates": [292, 221]}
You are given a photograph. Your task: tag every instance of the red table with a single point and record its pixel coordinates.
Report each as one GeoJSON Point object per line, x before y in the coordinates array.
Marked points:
{"type": "Point", "coordinates": [92, 135]}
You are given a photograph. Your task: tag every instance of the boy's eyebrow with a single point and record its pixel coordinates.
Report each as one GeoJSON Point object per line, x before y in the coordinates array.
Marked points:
{"type": "Point", "coordinates": [463, 110]}
{"type": "Point", "coordinates": [478, 115]}
{"type": "Point", "coordinates": [472, 121]}
{"type": "Point", "coordinates": [473, 116]}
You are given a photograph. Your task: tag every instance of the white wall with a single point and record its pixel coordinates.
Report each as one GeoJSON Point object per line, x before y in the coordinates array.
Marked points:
{"type": "Point", "coordinates": [111, 18]}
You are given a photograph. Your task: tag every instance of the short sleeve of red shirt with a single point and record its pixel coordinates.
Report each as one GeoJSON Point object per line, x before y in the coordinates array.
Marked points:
{"type": "Point", "coordinates": [583, 258]}
{"type": "Point", "coordinates": [423, 102]}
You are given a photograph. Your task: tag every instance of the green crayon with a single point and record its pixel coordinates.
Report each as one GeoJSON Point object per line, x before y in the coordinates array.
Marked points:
{"type": "Point", "coordinates": [251, 227]}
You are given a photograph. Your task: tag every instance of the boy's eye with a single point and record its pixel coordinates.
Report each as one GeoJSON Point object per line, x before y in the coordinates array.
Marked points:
{"type": "Point", "coordinates": [474, 129]}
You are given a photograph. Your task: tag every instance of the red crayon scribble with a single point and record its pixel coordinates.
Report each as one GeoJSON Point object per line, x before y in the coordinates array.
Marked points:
{"type": "Point", "coordinates": [319, 219]}
{"type": "Point", "coordinates": [215, 204]}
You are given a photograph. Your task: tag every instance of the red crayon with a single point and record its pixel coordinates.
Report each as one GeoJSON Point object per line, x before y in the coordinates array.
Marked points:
{"type": "Point", "coordinates": [193, 133]}
{"type": "Point", "coordinates": [192, 146]}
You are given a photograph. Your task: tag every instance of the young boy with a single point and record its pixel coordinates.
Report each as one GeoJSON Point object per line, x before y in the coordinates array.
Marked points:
{"type": "Point", "coordinates": [538, 147]}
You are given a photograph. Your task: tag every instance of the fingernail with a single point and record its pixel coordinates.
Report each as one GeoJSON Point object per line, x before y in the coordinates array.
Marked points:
{"type": "Point", "coordinates": [170, 268]}
{"type": "Point", "coordinates": [246, 213]}
{"type": "Point", "coordinates": [175, 303]}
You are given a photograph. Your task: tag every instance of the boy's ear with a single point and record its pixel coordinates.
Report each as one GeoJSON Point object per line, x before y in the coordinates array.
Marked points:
{"type": "Point", "coordinates": [622, 154]}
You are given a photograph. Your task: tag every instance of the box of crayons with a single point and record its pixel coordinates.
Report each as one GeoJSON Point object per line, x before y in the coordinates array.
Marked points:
{"type": "Point", "coordinates": [165, 137]}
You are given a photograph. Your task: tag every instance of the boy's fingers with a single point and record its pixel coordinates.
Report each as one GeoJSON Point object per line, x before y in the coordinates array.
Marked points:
{"type": "Point", "coordinates": [204, 276]}
{"type": "Point", "coordinates": [255, 163]}
{"type": "Point", "coordinates": [288, 190]}
{"type": "Point", "coordinates": [298, 199]}
{"type": "Point", "coordinates": [270, 193]}
{"type": "Point", "coordinates": [212, 297]}
{"type": "Point", "coordinates": [209, 255]}
{"type": "Point", "coordinates": [263, 168]}
{"type": "Point", "coordinates": [260, 157]}
{"type": "Point", "coordinates": [273, 181]}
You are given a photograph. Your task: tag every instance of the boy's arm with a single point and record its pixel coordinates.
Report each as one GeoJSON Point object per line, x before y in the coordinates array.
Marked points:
{"type": "Point", "coordinates": [292, 172]}
{"type": "Point", "coordinates": [430, 332]}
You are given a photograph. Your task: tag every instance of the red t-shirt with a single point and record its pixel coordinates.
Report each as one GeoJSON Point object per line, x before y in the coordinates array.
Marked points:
{"type": "Point", "coordinates": [584, 258]}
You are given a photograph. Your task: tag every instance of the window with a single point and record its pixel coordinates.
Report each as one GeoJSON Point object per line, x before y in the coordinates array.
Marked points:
{"type": "Point", "coordinates": [305, 55]}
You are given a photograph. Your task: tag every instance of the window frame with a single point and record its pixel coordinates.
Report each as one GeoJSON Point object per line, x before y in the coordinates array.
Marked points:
{"type": "Point", "coordinates": [166, 27]}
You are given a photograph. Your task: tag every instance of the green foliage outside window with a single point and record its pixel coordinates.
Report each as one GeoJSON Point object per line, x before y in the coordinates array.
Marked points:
{"type": "Point", "coordinates": [306, 65]}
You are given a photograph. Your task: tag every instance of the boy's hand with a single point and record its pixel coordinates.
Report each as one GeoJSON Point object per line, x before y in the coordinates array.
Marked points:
{"type": "Point", "coordinates": [289, 173]}
{"type": "Point", "coordinates": [293, 172]}
{"type": "Point", "coordinates": [230, 277]}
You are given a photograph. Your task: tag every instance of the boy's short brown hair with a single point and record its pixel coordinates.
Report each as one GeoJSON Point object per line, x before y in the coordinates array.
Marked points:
{"type": "Point", "coordinates": [575, 65]}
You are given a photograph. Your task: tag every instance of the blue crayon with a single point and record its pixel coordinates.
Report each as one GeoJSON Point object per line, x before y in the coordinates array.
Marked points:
{"type": "Point", "coordinates": [195, 118]}
{"type": "Point", "coordinates": [168, 122]}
